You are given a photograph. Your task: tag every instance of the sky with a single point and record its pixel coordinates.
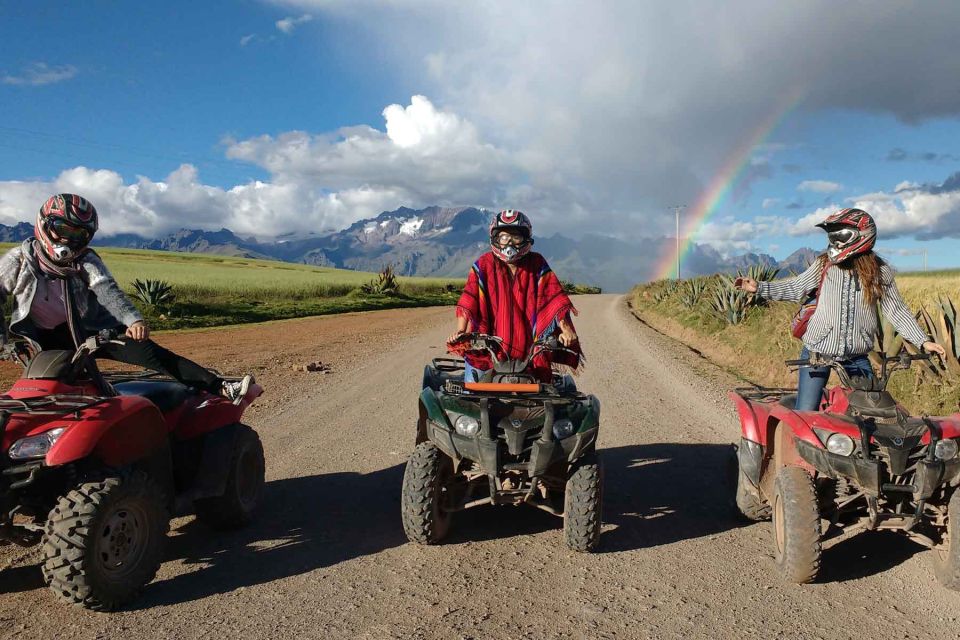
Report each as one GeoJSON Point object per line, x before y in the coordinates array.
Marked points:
{"type": "Point", "coordinates": [301, 116]}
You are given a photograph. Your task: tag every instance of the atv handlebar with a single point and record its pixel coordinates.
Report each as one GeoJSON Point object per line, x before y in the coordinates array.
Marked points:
{"type": "Point", "coordinates": [903, 360]}
{"type": "Point", "coordinates": [496, 347]}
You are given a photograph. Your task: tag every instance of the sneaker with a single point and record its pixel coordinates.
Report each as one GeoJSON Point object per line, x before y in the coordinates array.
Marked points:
{"type": "Point", "coordinates": [234, 391]}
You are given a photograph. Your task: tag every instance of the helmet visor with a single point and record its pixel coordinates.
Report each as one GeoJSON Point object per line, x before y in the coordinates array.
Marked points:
{"type": "Point", "coordinates": [69, 234]}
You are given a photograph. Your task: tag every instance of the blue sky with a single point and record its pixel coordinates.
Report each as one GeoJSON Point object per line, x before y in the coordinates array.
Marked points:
{"type": "Point", "coordinates": [302, 115]}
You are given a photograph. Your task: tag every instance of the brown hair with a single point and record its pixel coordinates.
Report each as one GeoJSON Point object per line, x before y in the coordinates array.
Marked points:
{"type": "Point", "coordinates": [867, 267]}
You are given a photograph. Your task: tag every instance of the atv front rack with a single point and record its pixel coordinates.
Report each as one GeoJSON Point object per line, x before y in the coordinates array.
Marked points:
{"type": "Point", "coordinates": [53, 405]}
{"type": "Point", "coordinates": [761, 394]}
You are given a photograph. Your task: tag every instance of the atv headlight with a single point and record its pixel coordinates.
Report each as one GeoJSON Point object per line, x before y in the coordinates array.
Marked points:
{"type": "Point", "coordinates": [562, 428]}
{"type": "Point", "coordinates": [945, 449]}
{"type": "Point", "coordinates": [466, 426]}
{"type": "Point", "coordinates": [35, 446]}
{"type": "Point", "coordinates": [840, 444]}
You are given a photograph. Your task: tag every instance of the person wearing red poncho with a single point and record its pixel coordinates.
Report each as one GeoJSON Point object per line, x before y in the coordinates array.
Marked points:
{"type": "Point", "coordinates": [513, 294]}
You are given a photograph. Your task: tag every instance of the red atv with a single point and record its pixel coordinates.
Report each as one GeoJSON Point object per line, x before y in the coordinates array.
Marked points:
{"type": "Point", "coordinates": [93, 466]}
{"type": "Point", "coordinates": [859, 463]}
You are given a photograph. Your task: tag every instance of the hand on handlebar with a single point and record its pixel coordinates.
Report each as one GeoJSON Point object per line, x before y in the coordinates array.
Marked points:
{"type": "Point", "coordinates": [568, 338]}
{"type": "Point", "coordinates": [139, 331]}
{"type": "Point", "coordinates": [933, 347]}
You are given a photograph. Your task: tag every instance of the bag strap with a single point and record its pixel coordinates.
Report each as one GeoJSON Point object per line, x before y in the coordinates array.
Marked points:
{"type": "Point", "coordinates": [823, 277]}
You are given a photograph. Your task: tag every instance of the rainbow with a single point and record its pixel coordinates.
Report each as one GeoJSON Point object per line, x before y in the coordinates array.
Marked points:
{"type": "Point", "coordinates": [721, 184]}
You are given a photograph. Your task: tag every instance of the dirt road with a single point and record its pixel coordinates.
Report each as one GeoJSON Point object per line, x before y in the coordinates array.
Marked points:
{"type": "Point", "coordinates": [328, 558]}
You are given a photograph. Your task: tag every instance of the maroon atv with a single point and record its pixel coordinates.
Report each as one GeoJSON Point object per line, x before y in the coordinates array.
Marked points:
{"type": "Point", "coordinates": [93, 466]}
{"type": "Point", "coordinates": [860, 463]}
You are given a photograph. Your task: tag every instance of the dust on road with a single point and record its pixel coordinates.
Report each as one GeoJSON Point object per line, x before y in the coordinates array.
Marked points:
{"type": "Point", "coordinates": [327, 557]}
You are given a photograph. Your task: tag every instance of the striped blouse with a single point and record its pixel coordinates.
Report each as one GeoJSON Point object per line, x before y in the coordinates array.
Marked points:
{"type": "Point", "coordinates": [844, 325]}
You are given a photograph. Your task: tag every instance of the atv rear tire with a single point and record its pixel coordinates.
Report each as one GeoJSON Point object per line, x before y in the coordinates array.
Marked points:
{"type": "Point", "coordinates": [583, 504]}
{"type": "Point", "coordinates": [244, 488]}
{"type": "Point", "coordinates": [796, 525]}
{"type": "Point", "coordinates": [946, 557]}
{"type": "Point", "coordinates": [428, 471]}
{"type": "Point", "coordinates": [104, 540]}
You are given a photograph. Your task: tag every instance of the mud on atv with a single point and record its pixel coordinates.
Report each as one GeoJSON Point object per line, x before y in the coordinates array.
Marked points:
{"type": "Point", "coordinates": [859, 463]}
{"type": "Point", "coordinates": [506, 439]}
{"type": "Point", "coordinates": [93, 466]}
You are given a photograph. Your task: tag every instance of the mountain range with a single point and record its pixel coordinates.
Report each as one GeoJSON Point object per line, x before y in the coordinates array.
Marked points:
{"type": "Point", "coordinates": [438, 241]}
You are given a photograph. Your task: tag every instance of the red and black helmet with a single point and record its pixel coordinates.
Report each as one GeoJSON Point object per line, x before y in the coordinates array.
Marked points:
{"type": "Point", "coordinates": [65, 226]}
{"type": "Point", "coordinates": [514, 222]}
{"type": "Point", "coordinates": [850, 232]}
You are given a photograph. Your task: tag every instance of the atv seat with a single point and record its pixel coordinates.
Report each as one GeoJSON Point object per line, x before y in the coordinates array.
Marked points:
{"type": "Point", "coordinates": [165, 395]}
{"type": "Point", "coordinates": [49, 365]}
{"type": "Point", "coordinates": [789, 401]}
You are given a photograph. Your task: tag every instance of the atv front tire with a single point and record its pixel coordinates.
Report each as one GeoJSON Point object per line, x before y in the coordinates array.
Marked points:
{"type": "Point", "coordinates": [946, 557]}
{"type": "Point", "coordinates": [749, 503]}
{"type": "Point", "coordinates": [244, 488]}
{"type": "Point", "coordinates": [583, 504]}
{"type": "Point", "coordinates": [796, 525]}
{"type": "Point", "coordinates": [104, 540]}
{"type": "Point", "coordinates": [428, 472]}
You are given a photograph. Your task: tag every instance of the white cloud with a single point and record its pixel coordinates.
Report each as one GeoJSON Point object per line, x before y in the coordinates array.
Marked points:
{"type": "Point", "coordinates": [820, 186]}
{"type": "Point", "coordinates": [317, 182]}
{"type": "Point", "coordinates": [288, 24]}
{"type": "Point", "coordinates": [247, 39]}
{"type": "Point", "coordinates": [769, 203]}
{"type": "Point", "coordinates": [40, 73]}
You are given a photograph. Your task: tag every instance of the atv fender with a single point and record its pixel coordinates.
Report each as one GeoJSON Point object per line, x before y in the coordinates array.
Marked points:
{"type": "Point", "coordinates": [783, 454]}
{"type": "Point", "coordinates": [213, 470]}
{"type": "Point", "coordinates": [750, 427]}
{"type": "Point", "coordinates": [118, 431]}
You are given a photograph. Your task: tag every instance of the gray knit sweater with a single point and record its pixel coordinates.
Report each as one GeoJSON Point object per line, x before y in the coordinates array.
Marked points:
{"type": "Point", "coordinates": [844, 325]}
{"type": "Point", "coordinates": [98, 301]}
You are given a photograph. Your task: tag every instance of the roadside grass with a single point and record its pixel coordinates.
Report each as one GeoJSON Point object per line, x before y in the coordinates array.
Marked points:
{"type": "Point", "coordinates": [756, 348]}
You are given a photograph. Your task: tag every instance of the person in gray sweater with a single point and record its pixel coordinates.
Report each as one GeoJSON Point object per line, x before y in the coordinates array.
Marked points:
{"type": "Point", "coordinates": [852, 282]}
{"type": "Point", "coordinates": [63, 293]}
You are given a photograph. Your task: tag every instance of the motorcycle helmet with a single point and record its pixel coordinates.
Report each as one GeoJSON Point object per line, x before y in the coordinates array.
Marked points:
{"type": "Point", "coordinates": [850, 232]}
{"type": "Point", "coordinates": [514, 223]}
{"type": "Point", "coordinates": [65, 226]}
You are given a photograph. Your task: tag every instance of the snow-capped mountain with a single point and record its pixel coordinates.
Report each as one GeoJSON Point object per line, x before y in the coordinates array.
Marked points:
{"type": "Point", "coordinates": [444, 242]}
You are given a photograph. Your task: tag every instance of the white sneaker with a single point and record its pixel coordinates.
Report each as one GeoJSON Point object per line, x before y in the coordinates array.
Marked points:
{"type": "Point", "coordinates": [236, 390]}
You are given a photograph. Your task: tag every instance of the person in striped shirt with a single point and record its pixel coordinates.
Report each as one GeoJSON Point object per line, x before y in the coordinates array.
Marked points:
{"type": "Point", "coordinates": [854, 282]}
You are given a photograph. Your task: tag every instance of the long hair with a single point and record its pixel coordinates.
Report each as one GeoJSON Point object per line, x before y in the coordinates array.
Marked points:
{"type": "Point", "coordinates": [867, 267]}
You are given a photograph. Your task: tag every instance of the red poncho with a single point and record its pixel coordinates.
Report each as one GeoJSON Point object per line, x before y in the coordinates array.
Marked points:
{"type": "Point", "coordinates": [518, 308]}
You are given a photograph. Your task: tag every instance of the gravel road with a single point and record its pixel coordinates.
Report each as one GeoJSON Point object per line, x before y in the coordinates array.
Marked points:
{"type": "Point", "coordinates": [328, 558]}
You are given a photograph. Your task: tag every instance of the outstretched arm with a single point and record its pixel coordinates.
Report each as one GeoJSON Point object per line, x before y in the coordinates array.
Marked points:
{"type": "Point", "coordinates": [108, 292]}
{"type": "Point", "coordinates": [795, 288]}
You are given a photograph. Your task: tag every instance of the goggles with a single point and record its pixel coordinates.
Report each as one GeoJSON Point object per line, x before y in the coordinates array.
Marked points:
{"type": "Point", "coordinates": [69, 234]}
{"type": "Point", "coordinates": [504, 239]}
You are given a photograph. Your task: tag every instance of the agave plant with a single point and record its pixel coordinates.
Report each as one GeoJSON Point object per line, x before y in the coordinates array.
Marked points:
{"type": "Point", "coordinates": [731, 304]}
{"type": "Point", "coordinates": [691, 291]}
{"type": "Point", "coordinates": [154, 293]}
{"type": "Point", "coordinates": [385, 285]}
{"type": "Point", "coordinates": [941, 325]}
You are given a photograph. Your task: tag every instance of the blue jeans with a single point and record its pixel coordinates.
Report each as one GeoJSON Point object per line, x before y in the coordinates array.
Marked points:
{"type": "Point", "coordinates": [813, 380]}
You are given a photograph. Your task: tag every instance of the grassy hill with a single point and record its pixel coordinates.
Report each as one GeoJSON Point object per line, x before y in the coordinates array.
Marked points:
{"type": "Point", "coordinates": [755, 347]}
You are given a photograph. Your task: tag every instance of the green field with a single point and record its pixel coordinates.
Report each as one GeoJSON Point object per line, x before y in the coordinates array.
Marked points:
{"type": "Point", "coordinates": [213, 290]}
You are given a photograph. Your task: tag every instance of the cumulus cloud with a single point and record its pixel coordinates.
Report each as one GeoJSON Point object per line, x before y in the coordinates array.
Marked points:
{"type": "Point", "coordinates": [288, 24]}
{"type": "Point", "coordinates": [820, 186]}
{"type": "Point", "coordinates": [642, 103]}
{"type": "Point", "coordinates": [925, 212]}
{"type": "Point", "coordinates": [317, 182]}
{"type": "Point", "coordinates": [40, 73]}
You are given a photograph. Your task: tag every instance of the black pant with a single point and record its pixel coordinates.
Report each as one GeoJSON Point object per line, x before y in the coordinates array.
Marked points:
{"type": "Point", "coordinates": [147, 354]}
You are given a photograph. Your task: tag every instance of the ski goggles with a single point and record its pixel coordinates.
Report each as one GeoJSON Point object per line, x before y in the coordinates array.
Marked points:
{"type": "Point", "coordinates": [840, 237]}
{"type": "Point", "coordinates": [69, 234]}
{"type": "Point", "coordinates": [504, 239]}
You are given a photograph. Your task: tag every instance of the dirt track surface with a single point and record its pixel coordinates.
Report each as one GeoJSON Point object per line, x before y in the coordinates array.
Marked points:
{"type": "Point", "coordinates": [328, 559]}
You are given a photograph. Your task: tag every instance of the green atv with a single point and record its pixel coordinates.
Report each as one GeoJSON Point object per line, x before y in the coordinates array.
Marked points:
{"type": "Point", "coordinates": [505, 439]}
